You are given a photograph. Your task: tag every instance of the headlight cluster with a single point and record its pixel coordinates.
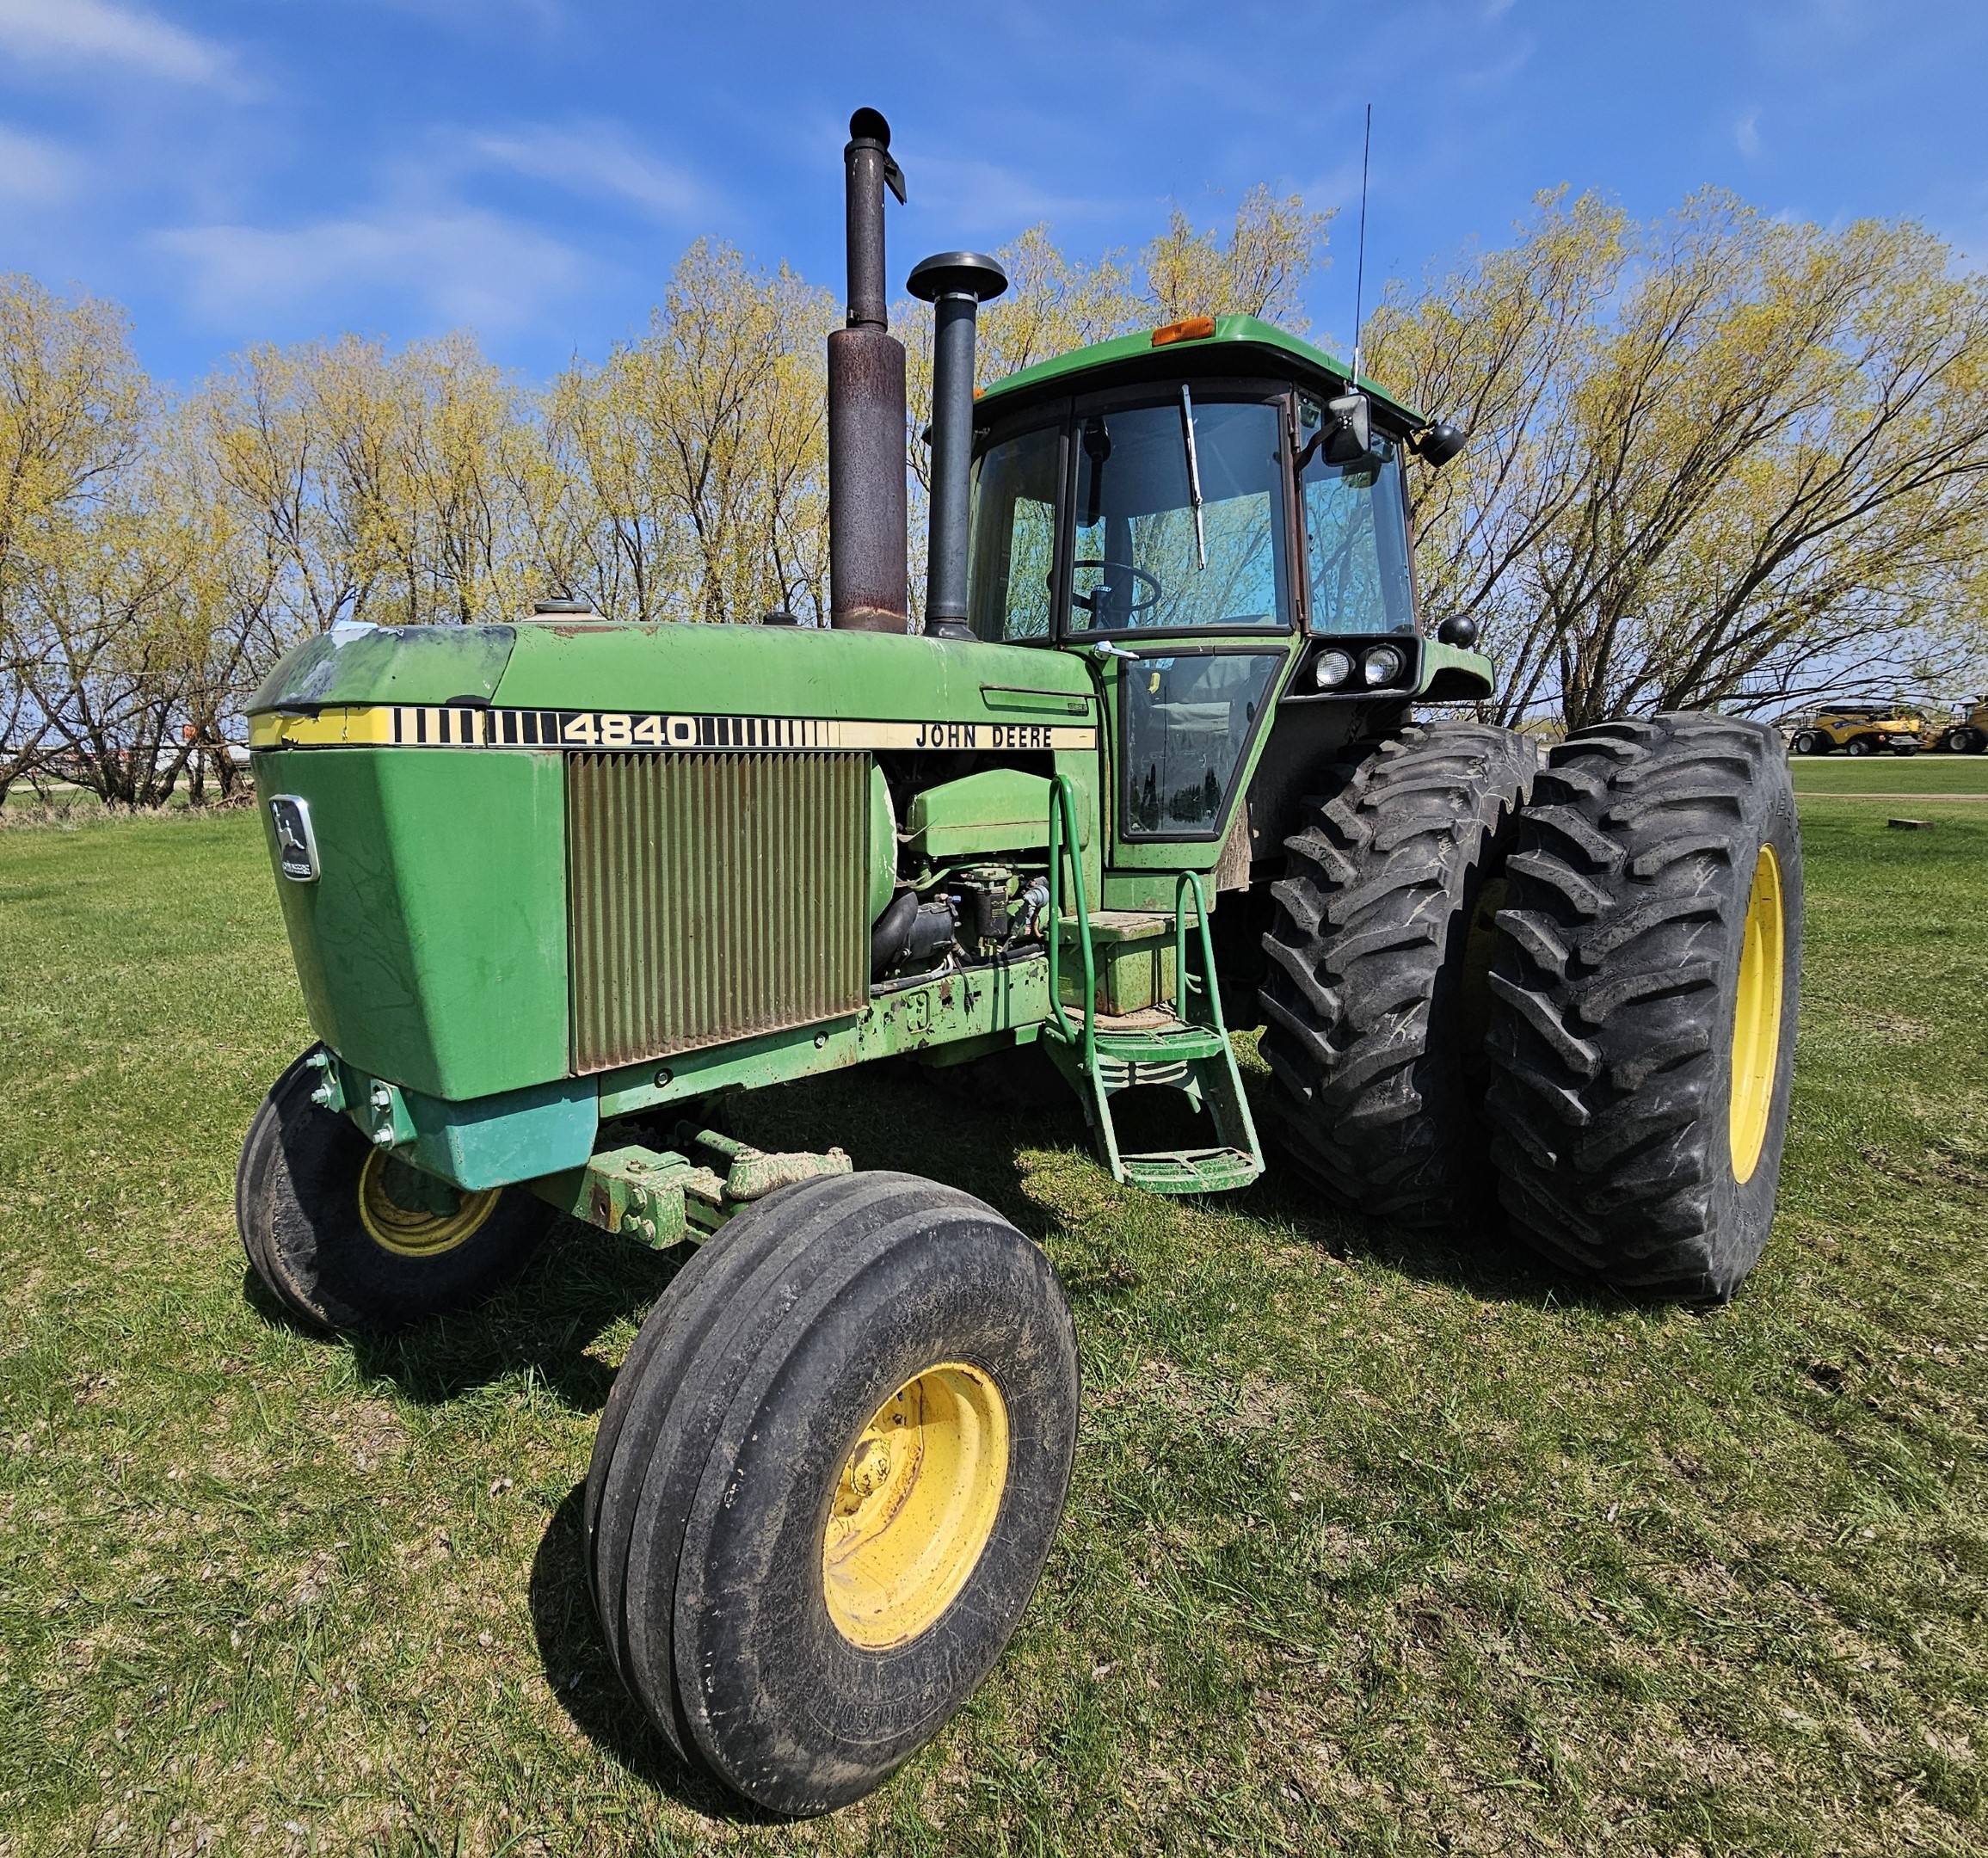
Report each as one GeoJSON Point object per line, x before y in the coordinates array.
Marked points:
{"type": "Point", "coordinates": [1378, 665]}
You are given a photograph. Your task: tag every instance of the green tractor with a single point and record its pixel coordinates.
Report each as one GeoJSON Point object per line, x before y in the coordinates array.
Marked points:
{"type": "Point", "coordinates": [1151, 769]}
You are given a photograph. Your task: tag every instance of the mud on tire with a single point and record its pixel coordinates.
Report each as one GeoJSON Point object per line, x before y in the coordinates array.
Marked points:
{"type": "Point", "coordinates": [1625, 1150]}
{"type": "Point", "coordinates": [1374, 1003]}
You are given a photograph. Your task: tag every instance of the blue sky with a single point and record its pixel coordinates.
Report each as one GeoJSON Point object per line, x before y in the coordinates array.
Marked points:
{"type": "Point", "coordinates": [236, 171]}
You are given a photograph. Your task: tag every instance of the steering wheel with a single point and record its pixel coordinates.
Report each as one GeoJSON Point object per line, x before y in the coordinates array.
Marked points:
{"type": "Point", "coordinates": [1093, 601]}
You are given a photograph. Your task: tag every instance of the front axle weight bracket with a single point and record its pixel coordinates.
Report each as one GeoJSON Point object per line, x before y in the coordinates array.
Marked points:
{"type": "Point", "coordinates": [661, 1198]}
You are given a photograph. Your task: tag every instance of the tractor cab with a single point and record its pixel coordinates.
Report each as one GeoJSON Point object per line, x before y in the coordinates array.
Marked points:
{"type": "Point", "coordinates": [1218, 518]}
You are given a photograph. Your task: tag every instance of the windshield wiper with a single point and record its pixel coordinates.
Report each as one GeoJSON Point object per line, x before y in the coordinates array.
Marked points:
{"type": "Point", "coordinates": [1193, 475]}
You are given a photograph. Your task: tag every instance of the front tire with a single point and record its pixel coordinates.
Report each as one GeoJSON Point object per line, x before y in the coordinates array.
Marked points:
{"type": "Point", "coordinates": [1646, 984]}
{"type": "Point", "coordinates": [1374, 1006]}
{"type": "Point", "coordinates": [1808, 743]}
{"type": "Point", "coordinates": [1860, 745]}
{"type": "Point", "coordinates": [828, 1481]}
{"type": "Point", "coordinates": [348, 1238]}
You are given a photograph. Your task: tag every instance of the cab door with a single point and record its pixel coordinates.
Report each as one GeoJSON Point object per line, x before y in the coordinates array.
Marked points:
{"type": "Point", "coordinates": [1178, 577]}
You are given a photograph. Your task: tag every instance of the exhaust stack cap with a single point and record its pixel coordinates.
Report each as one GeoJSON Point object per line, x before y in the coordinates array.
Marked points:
{"type": "Point", "coordinates": [956, 283]}
{"type": "Point", "coordinates": [957, 273]}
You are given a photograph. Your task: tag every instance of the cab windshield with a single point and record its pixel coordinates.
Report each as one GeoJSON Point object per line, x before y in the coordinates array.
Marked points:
{"type": "Point", "coordinates": [1140, 560]}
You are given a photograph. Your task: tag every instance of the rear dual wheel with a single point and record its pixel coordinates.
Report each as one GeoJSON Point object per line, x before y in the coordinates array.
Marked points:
{"type": "Point", "coordinates": [1374, 1003]}
{"type": "Point", "coordinates": [827, 1481]}
{"type": "Point", "coordinates": [1646, 980]}
{"type": "Point", "coordinates": [1630, 1046]}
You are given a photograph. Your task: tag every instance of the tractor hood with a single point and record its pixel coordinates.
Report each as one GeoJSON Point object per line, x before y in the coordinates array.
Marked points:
{"type": "Point", "coordinates": [361, 664]}
{"type": "Point", "coordinates": [683, 671]}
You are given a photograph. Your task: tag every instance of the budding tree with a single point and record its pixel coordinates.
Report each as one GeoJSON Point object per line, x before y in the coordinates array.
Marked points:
{"type": "Point", "coordinates": [1721, 461]}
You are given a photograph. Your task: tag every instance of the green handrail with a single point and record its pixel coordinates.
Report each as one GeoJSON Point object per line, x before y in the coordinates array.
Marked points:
{"type": "Point", "coordinates": [1063, 825]}
{"type": "Point", "coordinates": [1192, 879]}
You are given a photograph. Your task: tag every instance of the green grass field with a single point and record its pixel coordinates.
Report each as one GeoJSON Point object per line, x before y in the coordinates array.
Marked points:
{"type": "Point", "coordinates": [1373, 1547]}
{"type": "Point", "coordinates": [1958, 775]}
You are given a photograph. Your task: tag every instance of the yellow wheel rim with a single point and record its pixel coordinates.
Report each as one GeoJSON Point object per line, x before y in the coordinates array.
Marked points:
{"type": "Point", "coordinates": [415, 1231]}
{"type": "Point", "coordinates": [1756, 1018]}
{"type": "Point", "coordinates": [915, 1506]}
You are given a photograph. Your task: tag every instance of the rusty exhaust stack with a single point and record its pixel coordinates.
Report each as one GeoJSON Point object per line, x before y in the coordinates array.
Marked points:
{"type": "Point", "coordinates": [868, 582]}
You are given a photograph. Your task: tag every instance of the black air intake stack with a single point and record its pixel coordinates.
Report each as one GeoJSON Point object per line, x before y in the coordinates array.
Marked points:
{"type": "Point", "coordinates": [868, 585]}
{"type": "Point", "coordinates": [956, 284]}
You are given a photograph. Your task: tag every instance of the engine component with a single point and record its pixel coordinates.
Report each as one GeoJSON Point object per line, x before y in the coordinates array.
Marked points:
{"type": "Point", "coordinates": [933, 931]}
{"type": "Point", "coordinates": [909, 933]}
{"type": "Point", "coordinates": [983, 904]}
{"type": "Point", "coordinates": [1030, 904]}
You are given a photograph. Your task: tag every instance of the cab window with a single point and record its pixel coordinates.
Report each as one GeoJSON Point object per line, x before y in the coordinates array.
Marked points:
{"type": "Point", "coordinates": [1143, 558]}
{"type": "Point", "coordinates": [1357, 542]}
{"type": "Point", "coordinates": [1012, 555]}
{"type": "Point", "coordinates": [1187, 720]}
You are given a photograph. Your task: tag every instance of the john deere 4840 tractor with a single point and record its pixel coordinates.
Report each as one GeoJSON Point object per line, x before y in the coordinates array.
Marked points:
{"type": "Point", "coordinates": [554, 887]}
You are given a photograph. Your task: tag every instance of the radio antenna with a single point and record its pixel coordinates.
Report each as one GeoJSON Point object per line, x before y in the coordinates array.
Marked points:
{"type": "Point", "coordinates": [1360, 264]}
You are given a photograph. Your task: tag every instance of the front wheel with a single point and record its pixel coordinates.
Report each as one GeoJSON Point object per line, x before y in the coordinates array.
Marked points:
{"type": "Point", "coordinates": [347, 1237]}
{"type": "Point", "coordinates": [1860, 745]}
{"type": "Point", "coordinates": [1646, 981]}
{"type": "Point", "coordinates": [827, 1479]}
{"type": "Point", "coordinates": [1808, 742]}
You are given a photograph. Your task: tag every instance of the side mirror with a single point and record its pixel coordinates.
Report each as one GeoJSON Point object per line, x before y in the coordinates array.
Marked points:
{"type": "Point", "coordinates": [1459, 629]}
{"type": "Point", "coordinates": [1352, 436]}
{"type": "Point", "coordinates": [1436, 445]}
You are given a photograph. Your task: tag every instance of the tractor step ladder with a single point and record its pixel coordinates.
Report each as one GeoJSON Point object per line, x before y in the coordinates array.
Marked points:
{"type": "Point", "coordinates": [1184, 1046]}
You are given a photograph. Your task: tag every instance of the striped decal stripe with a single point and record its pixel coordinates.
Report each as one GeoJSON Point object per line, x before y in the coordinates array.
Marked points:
{"type": "Point", "coordinates": [462, 726]}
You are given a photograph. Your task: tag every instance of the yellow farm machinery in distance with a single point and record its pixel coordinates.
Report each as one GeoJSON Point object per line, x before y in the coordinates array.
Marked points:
{"type": "Point", "coordinates": [1857, 730]}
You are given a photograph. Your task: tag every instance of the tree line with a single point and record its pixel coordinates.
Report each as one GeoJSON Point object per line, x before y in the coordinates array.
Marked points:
{"type": "Point", "coordinates": [1719, 461]}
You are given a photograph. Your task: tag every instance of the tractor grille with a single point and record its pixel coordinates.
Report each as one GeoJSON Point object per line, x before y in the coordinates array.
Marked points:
{"type": "Point", "coordinates": [711, 897]}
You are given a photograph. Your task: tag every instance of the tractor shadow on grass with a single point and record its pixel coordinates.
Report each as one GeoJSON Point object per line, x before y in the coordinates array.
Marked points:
{"type": "Point", "coordinates": [579, 1284]}
{"type": "Point", "coordinates": [1483, 1259]}
{"type": "Point", "coordinates": [580, 1675]}
{"type": "Point", "coordinates": [902, 1117]}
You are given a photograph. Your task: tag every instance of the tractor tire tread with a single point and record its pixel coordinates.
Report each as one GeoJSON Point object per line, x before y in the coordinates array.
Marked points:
{"type": "Point", "coordinates": [1365, 1104]}
{"type": "Point", "coordinates": [1608, 986]}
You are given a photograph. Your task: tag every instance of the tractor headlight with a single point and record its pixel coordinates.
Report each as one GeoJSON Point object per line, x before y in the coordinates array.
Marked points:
{"type": "Point", "coordinates": [1383, 664]}
{"type": "Point", "coordinates": [1333, 669]}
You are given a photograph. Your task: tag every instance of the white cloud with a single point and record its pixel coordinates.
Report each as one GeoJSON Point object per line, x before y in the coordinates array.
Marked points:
{"type": "Point", "coordinates": [462, 266]}
{"type": "Point", "coordinates": [983, 196]}
{"type": "Point", "coordinates": [74, 32]}
{"type": "Point", "coordinates": [33, 171]}
{"type": "Point", "coordinates": [596, 159]}
{"type": "Point", "coordinates": [1746, 134]}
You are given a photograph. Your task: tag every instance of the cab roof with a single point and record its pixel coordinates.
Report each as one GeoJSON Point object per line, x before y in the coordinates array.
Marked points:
{"type": "Point", "coordinates": [1237, 344]}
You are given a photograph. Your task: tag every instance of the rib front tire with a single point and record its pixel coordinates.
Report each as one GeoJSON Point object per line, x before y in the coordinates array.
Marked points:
{"type": "Point", "coordinates": [821, 1508]}
{"type": "Point", "coordinates": [1646, 989]}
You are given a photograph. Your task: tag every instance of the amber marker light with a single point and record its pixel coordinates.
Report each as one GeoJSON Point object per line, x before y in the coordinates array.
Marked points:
{"type": "Point", "coordinates": [1188, 328]}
